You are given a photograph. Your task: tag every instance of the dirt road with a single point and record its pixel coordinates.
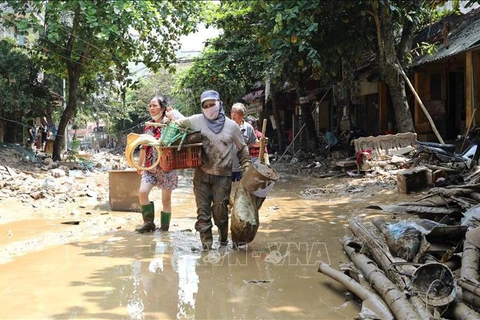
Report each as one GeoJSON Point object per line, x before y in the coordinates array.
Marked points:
{"type": "Point", "coordinates": [100, 269]}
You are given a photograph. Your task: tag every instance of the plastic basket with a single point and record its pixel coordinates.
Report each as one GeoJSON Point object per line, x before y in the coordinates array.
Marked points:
{"type": "Point", "coordinates": [172, 133]}
{"type": "Point", "coordinates": [189, 156]}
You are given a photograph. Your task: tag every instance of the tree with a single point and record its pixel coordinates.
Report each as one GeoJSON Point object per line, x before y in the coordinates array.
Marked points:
{"type": "Point", "coordinates": [22, 95]}
{"type": "Point", "coordinates": [81, 39]}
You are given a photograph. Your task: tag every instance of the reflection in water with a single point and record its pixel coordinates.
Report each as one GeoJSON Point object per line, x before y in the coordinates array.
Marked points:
{"type": "Point", "coordinates": [187, 286]}
{"type": "Point", "coordinates": [135, 304]}
{"type": "Point", "coordinates": [164, 282]}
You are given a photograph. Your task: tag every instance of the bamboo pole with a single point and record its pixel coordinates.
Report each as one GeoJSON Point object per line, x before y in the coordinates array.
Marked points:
{"type": "Point", "coordinates": [381, 253]}
{"type": "Point", "coordinates": [369, 298]}
{"type": "Point", "coordinates": [470, 261]}
{"type": "Point", "coordinates": [462, 312]}
{"type": "Point", "coordinates": [471, 299]}
{"type": "Point", "coordinates": [263, 141]}
{"type": "Point", "coordinates": [417, 97]}
{"type": "Point", "coordinates": [471, 286]}
{"type": "Point", "coordinates": [393, 296]}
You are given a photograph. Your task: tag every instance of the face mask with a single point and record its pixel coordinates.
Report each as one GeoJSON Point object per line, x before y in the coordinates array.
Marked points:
{"type": "Point", "coordinates": [157, 117]}
{"type": "Point", "coordinates": [212, 112]}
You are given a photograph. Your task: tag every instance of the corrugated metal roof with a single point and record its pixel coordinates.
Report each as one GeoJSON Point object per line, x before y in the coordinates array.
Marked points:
{"type": "Point", "coordinates": [463, 37]}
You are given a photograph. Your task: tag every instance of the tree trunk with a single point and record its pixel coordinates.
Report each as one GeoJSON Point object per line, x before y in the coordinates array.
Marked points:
{"type": "Point", "coordinates": [388, 60]}
{"type": "Point", "coordinates": [403, 116]}
{"type": "Point", "coordinates": [67, 114]}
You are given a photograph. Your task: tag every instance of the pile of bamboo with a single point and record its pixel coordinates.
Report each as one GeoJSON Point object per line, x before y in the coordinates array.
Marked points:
{"type": "Point", "coordinates": [386, 283]}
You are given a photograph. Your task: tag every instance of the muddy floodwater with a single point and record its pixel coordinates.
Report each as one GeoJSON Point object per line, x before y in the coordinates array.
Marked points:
{"type": "Point", "coordinates": [164, 275]}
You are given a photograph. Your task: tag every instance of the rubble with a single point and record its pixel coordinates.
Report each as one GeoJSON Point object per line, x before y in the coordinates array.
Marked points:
{"type": "Point", "coordinates": [426, 250]}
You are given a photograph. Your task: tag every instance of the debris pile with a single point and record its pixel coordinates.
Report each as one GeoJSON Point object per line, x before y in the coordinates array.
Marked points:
{"type": "Point", "coordinates": [423, 266]}
{"type": "Point", "coordinates": [38, 180]}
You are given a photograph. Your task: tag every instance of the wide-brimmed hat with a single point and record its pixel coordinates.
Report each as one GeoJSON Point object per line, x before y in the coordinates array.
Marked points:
{"type": "Point", "coordinates": [209, 95]}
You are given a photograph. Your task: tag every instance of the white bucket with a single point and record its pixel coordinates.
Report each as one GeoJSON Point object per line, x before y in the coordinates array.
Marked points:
{"type": "Point", "coordinates": [259, 179]}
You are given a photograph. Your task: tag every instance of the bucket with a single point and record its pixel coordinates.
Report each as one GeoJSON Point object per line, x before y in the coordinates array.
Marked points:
{"type": "Point", "coordinates": [434, 283]}
{"type": "Point", "coordinates": [259, 179]}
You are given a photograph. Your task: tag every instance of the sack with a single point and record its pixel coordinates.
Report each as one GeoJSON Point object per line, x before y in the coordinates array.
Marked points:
{"type": "Point", "coordinates": [245, 220]}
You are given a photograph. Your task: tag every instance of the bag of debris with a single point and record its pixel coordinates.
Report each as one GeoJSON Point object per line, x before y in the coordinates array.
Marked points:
{"type": "Point", "coordinates": [404, 237]}
{"type": "Point", "coordinates": [403, 240]}
{"type": "Point", "coordinates": [471, 217]}
{"type": "Point", "coordinates": [245, 220]}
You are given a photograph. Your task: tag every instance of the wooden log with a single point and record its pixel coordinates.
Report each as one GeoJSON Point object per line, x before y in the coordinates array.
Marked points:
{"type": "Point", "coordinates": [370, 299]}
{"type": "Point", "coordinates": [395, 298]}
{"type": "Point", "coordinates": [470, 261]}
{"type": "Point", "coordinates": [461, 311]}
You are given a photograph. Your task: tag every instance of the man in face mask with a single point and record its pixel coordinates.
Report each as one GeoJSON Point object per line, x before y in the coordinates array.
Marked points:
{"type": "Point", "coordinates": [212, 181]}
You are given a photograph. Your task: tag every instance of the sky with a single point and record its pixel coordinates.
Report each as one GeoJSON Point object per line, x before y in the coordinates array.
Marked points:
{"type": "Point", "coordinates": [196, 41]}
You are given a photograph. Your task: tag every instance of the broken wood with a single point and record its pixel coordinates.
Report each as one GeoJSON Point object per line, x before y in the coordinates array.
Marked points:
{"type": "Point", "coordinates": [371, 300]}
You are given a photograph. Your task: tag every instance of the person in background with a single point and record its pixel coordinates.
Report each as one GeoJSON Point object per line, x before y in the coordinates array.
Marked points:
{"type": "Point", "coordinates": [237, 114]}
{"type": "Point", "coordinates": [329, 137]}
{"type": "Point", "coordinates": [32, 135]}
{"type": "Point", "coordinates": [253, 149]}
{"type": "Point", "coordinates": [44, 133]}
{"type": "Point", "coordinates": [165, 180]}
{"type": "Point", "coordinates": [212, 180]}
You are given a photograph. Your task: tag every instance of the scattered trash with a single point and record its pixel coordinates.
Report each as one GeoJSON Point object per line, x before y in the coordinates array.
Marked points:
{"type": "Point", "coordinates": [257, 281]}
{"type": "Point", "coordinates": [71, 222]}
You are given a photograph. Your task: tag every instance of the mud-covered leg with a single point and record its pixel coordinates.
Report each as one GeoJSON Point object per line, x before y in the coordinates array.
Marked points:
{"type": "Point", "coordinates": [221, 198]}
{"type": "Point", "coordinates": [203, 198]}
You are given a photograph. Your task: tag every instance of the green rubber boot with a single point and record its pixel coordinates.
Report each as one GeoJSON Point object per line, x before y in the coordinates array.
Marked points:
{"type": "Point", "coordinates": [165, 220]}
{"type": "Point", "coordinates": [148, 213]}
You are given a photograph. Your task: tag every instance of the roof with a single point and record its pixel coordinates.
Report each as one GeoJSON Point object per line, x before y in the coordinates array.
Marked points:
{"type": "Point", "coordinates": [464, 36]}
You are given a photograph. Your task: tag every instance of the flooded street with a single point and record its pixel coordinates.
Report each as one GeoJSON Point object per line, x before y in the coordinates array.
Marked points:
{"type": "Point", "coordinates": [123, 275]}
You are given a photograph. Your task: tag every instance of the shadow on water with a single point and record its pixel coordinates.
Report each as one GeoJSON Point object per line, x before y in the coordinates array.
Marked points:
{"type": "Point", "coordinates": [124, 275]}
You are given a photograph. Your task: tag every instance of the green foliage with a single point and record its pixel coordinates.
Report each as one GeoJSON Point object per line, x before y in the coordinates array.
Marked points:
{"type": "Point", "coordinates": [80, 40]}
{"type": "Point", "coordinates": [129, 115]}
{"type": "Point", "coordinates": [280, 39]}
{"type": "Point", "coordinates": [21, 93]}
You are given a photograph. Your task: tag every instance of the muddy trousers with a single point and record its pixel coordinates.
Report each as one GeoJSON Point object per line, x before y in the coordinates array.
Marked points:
{"type": "Point", "coordinates": [212, 197]}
